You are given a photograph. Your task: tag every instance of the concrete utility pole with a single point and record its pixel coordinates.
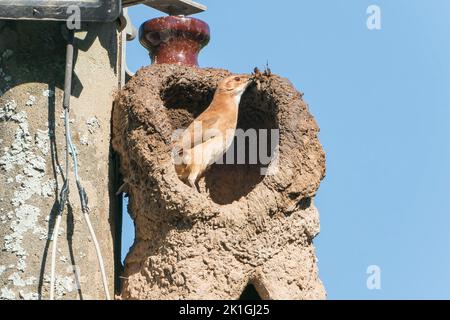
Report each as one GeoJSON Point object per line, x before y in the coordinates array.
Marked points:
{"type": "Point", "coordinates": [32, 61]}
{"type": "Point", "coordinates": [32, 149]}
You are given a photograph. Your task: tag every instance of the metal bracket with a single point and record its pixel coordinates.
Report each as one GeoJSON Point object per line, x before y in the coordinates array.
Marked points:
{"type": "Point", "coordinates": [171, 7]}
{"type": "Point", "coordinates": [90, 10]}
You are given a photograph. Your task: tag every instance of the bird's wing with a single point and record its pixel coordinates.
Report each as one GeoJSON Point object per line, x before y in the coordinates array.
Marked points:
{"type": "Point", "coordinates": [209, 130]}
{"type": "Point", "coordinates": [200, 130]}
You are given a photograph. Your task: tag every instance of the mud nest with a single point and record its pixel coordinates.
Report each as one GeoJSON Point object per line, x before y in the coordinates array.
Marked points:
{"type": "Point", "coordinates": [238, 210]}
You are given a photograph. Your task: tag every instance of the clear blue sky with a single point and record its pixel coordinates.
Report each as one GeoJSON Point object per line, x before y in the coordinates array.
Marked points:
{"type": "Point", "coordinates": [382, 100]}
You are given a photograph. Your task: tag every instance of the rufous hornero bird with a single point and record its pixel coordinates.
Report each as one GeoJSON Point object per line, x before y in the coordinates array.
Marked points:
{"type": "Point", "coordinates": [210, 135]}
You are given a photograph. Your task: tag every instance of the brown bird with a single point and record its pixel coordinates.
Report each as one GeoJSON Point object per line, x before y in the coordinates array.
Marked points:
{"type": "Point", "coordinates": [210, 135]}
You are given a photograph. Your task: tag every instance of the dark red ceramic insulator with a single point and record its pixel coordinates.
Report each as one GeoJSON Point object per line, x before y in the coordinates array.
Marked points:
{"type": "Point", "coordinates": [174, 39]}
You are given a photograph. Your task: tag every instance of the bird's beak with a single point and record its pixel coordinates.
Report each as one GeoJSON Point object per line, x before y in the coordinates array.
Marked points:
{"type": "Point", "coordinates": [250, 81]}
{"type": "Point", "coordinates": [247, 84]}
{"type": "Point", "coordinates": [244, 85]}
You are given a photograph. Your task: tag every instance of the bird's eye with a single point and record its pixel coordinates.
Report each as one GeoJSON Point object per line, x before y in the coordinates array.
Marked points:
{"type": "Point", "coordinates": [237, 79]}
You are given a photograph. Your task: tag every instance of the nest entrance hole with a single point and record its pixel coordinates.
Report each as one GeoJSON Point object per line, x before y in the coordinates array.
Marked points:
{"type": "Point", "coordinates": [228, 182]}
{"type": "Point", "coordinates": [250, 293]}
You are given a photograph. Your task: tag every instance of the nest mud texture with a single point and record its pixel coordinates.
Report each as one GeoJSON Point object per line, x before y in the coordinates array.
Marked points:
{"type": "Point", "coordinates": [243, 227]}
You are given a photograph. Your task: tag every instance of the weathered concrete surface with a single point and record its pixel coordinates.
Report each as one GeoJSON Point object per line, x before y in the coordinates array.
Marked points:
{"type": "Point", "coordinates": [243, 227]}
{"type": "Point", "coordinates": [32, 57]}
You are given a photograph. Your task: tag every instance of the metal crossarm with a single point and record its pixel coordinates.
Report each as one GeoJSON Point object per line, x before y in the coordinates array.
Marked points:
{"type": "Point", "coordinates": [171, 7]}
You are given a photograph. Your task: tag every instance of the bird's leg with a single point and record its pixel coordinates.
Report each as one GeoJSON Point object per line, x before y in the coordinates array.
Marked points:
{"type": "Point", "coordinates": [198, 187]}
{"type": "Point", "coordinates": [192, 180]}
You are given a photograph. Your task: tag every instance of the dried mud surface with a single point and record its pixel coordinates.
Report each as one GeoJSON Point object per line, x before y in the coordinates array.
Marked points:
{"type": "Point", "coordinates": [243, 227]}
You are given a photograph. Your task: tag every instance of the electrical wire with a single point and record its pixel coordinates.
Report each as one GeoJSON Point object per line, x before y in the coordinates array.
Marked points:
{"type": "Point", "coordinates": [53, 263]}
{"type": "Point", "coordinates": [64, 194]}
{"type": "Point", "coordinates": [71, 152]}
{"type": "Point", "coordinates": [85, 209]}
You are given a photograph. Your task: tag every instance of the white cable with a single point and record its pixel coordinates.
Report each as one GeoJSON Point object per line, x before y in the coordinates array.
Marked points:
{"type": "Point", "coordinates": [53, 263]}
{"type": "Point", "coordinates": [62, 202]}
{"type": "Point", "coordinates": [89, 224]}
{"type": "Point", "coordinates": [99, 255]}
{"type": "Point", "coordinates": [65, 189]}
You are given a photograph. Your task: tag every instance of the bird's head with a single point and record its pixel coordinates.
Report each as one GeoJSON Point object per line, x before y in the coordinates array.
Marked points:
{"type": "Point", "coordinates": [235, 85]}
